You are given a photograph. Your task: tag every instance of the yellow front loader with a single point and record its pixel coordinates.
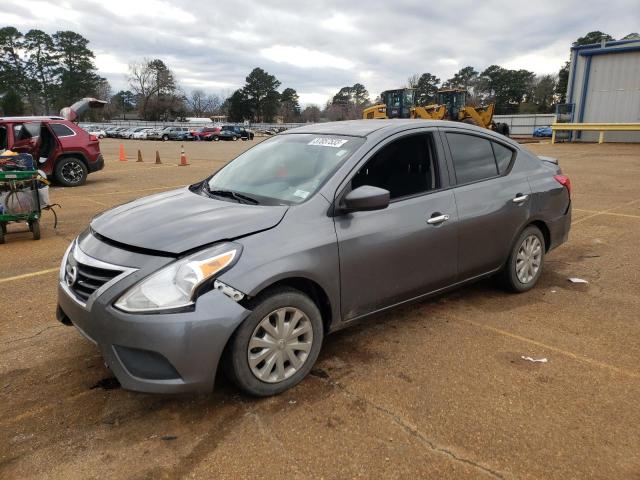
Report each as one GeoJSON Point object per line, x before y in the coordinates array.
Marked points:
{"type": "Point", "coordinates": [451, 104]}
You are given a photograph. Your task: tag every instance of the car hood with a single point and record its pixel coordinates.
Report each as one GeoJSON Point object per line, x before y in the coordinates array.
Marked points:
{"type": "Point", "coordinates": [180, 220]}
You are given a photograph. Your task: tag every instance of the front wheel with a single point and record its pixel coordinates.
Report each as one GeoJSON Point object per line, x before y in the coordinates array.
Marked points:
{"type": "Point", "coordinates": [216, 138]}
{"type": "Point", "coordinates": [70, 172]}
{"type": "Point", "coordinates": [165, 138]}
{"type": "Point", "coordinates": [234, 138]}
{"type": "Point", "coordinates": [35, 229]}
{"type": "Point", "coordinates": [277, 345]}
{"type": "Point", "coordinates": [524, 267]}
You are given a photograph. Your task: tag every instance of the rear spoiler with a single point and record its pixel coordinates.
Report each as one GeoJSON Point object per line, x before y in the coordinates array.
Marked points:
{"type": "Point", "coordinates": [548, 159]}
{"type": "Point", "coordinates": [74, 111]}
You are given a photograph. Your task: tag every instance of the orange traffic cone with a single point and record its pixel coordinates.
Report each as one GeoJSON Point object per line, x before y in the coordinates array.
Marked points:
{"type": "Point", "coordinates": [123, 156]}
{"type": "Point", "coordinates": [139, 156]}
{"type": "Point", "coordinates": [158, 162]}
{"type": "Point", "coordinates": [183, 157]}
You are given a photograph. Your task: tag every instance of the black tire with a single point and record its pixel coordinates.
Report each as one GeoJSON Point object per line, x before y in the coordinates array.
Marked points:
{"type": "Point", "coordinates": [165, 138]}
{"type": "Point", "coordinates": [3, 230]}
{"type": "Point", "coordinates": [236, 356]}
{"type": "Point", "coordinates": [503, 129]}
{"type": "Point", "coordinates": [510, 278]}
{"type": "Point", "coordinates": [234, 138]}
{"type": "Point", "coordinates": [70, 172]}
{"type": "Point", "coordinates": [35, 228]}
{"type": "Point", "coordinates": [216, 138]}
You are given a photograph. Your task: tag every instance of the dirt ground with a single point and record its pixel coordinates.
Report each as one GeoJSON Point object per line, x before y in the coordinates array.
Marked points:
{"type": "Point", "coordinates": [433, 390]}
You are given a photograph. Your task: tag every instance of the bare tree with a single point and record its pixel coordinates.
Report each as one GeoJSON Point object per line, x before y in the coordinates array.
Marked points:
{"type": "Point", "coordinates": [142, 81]}
{"type": "Point", "coordinates": [202, 105]}
{"type": "Point", "coordinates": [155, 86]}
{"type": "Point", "coordinates": [197, 103]}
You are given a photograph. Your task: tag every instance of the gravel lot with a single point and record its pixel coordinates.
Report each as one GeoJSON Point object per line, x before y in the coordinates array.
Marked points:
{"type": "Point", "coordinates": [433, 390]}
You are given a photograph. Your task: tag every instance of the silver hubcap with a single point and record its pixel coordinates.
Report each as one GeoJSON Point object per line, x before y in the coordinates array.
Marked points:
{"type": "Point", "coordinates": [528, 259]}
{"type": "Point", "coordinates": [72, 172]}
{"type": "Point", "coordinates": [280, 344]}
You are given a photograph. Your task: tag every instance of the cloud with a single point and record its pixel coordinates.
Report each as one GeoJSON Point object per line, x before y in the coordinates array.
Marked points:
{"type": "Point", "coordinates": [305, 58]}
{"type": "Point", "coordinates": [318, 47]}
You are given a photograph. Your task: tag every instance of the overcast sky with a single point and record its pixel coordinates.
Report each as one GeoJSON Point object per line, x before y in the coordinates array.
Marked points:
{"type": "Point", "coordinates": [316, 46]}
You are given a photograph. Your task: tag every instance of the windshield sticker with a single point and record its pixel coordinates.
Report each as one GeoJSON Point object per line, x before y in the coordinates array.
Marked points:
{"type": "Point", "coordinates": [301, 193]}
{"type": "Point", "coordinates": [342, 152]}
{"type": "Point", "coordinates": [328, 142]}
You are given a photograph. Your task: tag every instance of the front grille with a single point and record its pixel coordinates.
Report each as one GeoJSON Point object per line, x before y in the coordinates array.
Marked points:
{"type": "Point", "coordinates": [84, 275]}
{"type": "Point", "coordinates": [89, 279]}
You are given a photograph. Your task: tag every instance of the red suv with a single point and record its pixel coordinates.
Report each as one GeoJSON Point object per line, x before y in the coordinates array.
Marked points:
{"type": "Point", "coordinates": [205, 133]}
{"type": "Point", "coordinates": [58, 146]}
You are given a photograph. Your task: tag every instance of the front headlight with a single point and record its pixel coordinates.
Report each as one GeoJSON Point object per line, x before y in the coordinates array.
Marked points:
{"type": "Point", "coordinates": [175, 286]}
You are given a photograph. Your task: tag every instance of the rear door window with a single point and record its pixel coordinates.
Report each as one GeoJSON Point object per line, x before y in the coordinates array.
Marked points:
{"type": "Point", "coordinates": [473, 158]}
{"type": "Point", "coordinates": [25, 131]}
{"type": "Point", "coordinates": [61, 130]}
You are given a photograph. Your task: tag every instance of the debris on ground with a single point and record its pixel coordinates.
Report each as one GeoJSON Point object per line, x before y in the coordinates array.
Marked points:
{"type": "Point", "coordinates": [534, 360]}
{"type": "Point", "coordinates": [109, 383]}
{"type": "Point", "coordinates": [577, 280]}
{"type": "Point", "coordinates": [169, 437]}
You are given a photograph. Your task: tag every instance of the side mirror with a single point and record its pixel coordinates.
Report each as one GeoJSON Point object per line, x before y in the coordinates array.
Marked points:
{"type": "Point", "coordinates": [365, 198]}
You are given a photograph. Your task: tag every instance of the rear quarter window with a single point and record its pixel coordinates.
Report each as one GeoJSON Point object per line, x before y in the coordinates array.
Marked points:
{"type": "Point", "coordinates": [61, 130]}
{"type": "Point", "coordinates": [503, 156]}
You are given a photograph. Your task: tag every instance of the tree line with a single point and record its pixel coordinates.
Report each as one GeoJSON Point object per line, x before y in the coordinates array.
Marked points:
{"type": "Point", "coordinates": [42, 73]}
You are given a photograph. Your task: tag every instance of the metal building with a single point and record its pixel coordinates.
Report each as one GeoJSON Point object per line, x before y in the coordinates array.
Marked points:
{"type": "Point", "coordinates": [604, 86]}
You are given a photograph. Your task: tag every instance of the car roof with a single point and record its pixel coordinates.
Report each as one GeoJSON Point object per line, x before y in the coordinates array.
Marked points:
{"type": "Point", "coordinates": [387, 127]}
{"type": "Point", "coordinates": [22, 119]}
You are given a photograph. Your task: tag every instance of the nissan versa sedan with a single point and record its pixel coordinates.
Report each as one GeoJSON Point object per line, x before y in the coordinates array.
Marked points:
{"type": "Point", "coordinates": [307, 232]}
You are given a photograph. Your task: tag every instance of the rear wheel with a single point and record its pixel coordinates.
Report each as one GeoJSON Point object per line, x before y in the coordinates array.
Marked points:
{"type": "Point", "coordinates": [216, 138]}
{"type": "Point", "coordinates": [503, 129]}
{"type": "Point", "coordinates": [234, 138]}
{"type": "Point", "coordinates": [165, 138]}
{"type": "Point", "coordinates": [70, 172]}
{"type": "Point", "coordinates": [3, 230]}
{"type": "Point", "coordinates": [524, 267]}
{"type": "Point", "coordinates": [277, 345]}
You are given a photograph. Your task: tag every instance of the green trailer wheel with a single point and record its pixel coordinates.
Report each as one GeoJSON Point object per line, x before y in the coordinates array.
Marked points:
{"type": "Point", "coordinates": [35, 228]}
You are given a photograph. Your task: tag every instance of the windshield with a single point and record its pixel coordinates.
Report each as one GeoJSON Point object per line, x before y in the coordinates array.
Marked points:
{"type": "Point", "coordinates": [285, 169]}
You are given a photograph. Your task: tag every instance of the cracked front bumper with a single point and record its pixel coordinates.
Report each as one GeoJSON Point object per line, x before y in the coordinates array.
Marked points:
{"type": "Point", "coordinates": [159, 353]}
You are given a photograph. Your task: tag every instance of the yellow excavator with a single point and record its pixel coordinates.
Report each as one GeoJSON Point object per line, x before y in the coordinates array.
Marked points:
{"type": "Point", "coordinates": [451, 104]}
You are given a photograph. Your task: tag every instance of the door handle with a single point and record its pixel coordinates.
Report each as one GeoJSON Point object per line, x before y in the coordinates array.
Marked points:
{"type": "Point", "coordinates": [519, 198]}
{"type": "Point", "coordinates": [437, 219]}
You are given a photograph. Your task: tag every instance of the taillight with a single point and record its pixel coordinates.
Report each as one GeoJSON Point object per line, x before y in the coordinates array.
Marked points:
{"type": "Point", "coordinates": [564, 181]}
{"type": "Point", "coordinates": [93, 138]}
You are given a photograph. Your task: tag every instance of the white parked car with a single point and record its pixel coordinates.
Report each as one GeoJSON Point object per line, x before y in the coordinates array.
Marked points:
{"type": "Point", "coordinates": [95, 130]}
{"type": "Point", "coordinates": [141, 134]}
{"type": "Point", "coordinates": [131, 132]}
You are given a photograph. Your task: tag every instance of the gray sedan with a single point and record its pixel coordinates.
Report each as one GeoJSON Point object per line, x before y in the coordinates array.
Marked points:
{"type": "Point", "coordinates": [299, 236]}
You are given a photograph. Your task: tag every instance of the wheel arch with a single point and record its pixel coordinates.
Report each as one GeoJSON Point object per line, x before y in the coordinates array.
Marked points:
{"type": "Point", "coordinates": [546, 233]}
{"type": "Point", "coordinates": [312, 289]}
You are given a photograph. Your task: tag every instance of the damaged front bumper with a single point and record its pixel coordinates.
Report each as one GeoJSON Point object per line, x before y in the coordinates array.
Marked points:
{"type": "Point", "coordinates": [160, 352]}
